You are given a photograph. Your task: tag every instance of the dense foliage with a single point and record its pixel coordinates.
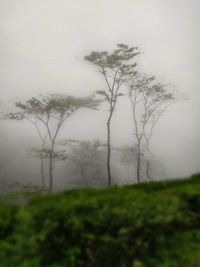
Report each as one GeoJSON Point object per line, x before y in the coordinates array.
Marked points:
{"type": "Point", "coordinates": [147, 225]}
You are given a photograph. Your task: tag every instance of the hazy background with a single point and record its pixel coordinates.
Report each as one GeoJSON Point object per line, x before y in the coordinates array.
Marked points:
{"type": "Point", "coordinates": [42, 45]}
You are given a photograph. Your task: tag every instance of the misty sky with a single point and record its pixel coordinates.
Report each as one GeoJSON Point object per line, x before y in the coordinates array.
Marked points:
{"type": "Point", "coordinates": [43, 43]}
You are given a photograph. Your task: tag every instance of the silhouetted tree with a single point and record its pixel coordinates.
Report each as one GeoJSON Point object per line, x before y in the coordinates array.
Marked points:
{"type": "Point", "coordinates": [48, 114]}
{"type": "Point", "coordinates": [128, 156]}
{"type": "Point", "coordinates": [115, 67]}
{"type": "Point", "coordinates": [149, 100]}
{"type": "Point", "coordinates": [88, 157]}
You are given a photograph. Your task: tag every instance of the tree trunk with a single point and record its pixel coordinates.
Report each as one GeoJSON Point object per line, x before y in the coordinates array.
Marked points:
{"type": "Point", "coordinates": [108, 152]}
{"type": "Point", "coordinates": [147, 170]}
{"type": "Point", "coordinates": [51, 168]}
{"type": "Point", "coordinates": [42, 172]}
{"type": "Point", "coordinates": [147, 163]}
{"type": "Point", "coordinates": [138, 161]}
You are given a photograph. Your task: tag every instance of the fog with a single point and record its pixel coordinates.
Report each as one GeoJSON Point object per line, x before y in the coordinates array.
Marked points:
{"type": "Point", "coordinates": [42, 47]}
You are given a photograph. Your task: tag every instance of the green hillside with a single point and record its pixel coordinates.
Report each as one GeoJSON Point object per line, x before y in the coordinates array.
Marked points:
{"type": "Point", "coordinates": [147, 225]}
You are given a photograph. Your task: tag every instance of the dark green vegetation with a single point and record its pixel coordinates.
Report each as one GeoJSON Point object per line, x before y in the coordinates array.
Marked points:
{"type": "Point", "coordinates": [152, 225]}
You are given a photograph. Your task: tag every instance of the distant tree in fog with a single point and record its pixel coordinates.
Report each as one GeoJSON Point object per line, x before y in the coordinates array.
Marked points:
{"type": "Point", "coordinates": [89, 159]}
{"type": "Point", "coordinates": [128, 156]}
{"type": "Point", "coordinates": [114, 67]}
{"type": "Point", "coordinates": [43, 154]}
{"type": "Point", "coordinates": [149, 100]}
{"type": "Point", "coordinates": [25, 188]}
{"type": "Point", "coordinates": [48, 114]}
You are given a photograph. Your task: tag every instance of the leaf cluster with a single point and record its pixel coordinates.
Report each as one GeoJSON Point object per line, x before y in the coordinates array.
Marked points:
{"type": "Point", "coordinates": [118, 59]}
{"type": "Point", "coordinates": [46, 153]}
{"type": "Point", "coordinates": [56, 104]}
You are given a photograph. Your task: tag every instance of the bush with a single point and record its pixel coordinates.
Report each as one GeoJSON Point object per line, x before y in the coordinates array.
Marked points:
{"type": "Point", "coordinates": [150, 225]}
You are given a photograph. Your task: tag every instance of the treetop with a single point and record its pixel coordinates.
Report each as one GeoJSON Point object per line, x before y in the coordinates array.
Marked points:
{"type": "Point", "coordinates": [114, 60]}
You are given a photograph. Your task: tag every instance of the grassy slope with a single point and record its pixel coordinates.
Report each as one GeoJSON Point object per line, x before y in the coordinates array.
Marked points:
{"type": "Point", "coordinates": [151, 225]}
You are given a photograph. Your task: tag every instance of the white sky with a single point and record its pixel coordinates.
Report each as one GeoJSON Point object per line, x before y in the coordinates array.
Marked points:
{"type": "Point", "coordinates": [43, 43]}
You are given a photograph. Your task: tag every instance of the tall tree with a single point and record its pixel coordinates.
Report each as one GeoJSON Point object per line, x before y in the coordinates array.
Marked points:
{"type": "Point", "coordinates": [89, 159]}
{"type": "Point", "coordinates": [43, 154]}
{"type": "Point", "coordinates": [114, 67]}
{"type": "Point", "coordinates": [128, 156]}
{"type": "Point", "coordinates": [48, 114]}
{"type": "Point", "coordinates": [149, 100]}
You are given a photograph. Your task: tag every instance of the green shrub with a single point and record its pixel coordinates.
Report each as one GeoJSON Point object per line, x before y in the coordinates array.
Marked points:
{"type": "Point", "coordinates": [149, 225]}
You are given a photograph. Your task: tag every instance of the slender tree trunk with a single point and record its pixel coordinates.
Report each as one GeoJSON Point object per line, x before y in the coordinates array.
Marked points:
{"type": "Point", "coordinates": [51, 168]}
{"type": "Point", "coordinates": [138, 161]}
{"type": "Point", "coordinates": [147, 162]}
{"type": "Point", "coordinates": [147, 169]}
{"type": "Point", "coordinates": [109, 152]}
{"type": "Point", "coordinates": [51, 156]}
{"type": "Point", "coordinates": [42, 172]}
